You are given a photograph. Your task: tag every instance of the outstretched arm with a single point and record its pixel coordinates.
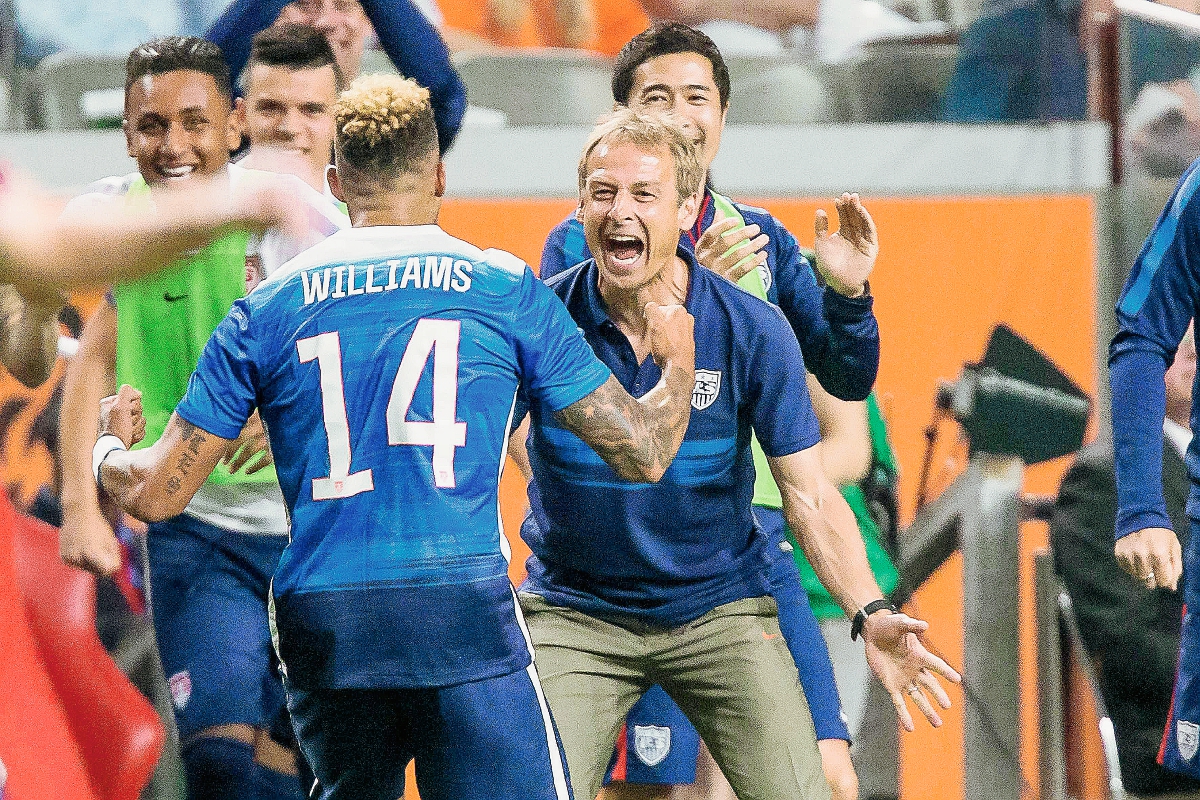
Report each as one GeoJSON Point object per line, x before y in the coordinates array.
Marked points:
{"type": "Point", "coordinates": [41, 252]}
{"type": "Point", "coordinates": [158, 482]}
{"type": "Point", "coordinates": [639, 438]}
{"type": "Point", "coordinates": [825, 528]}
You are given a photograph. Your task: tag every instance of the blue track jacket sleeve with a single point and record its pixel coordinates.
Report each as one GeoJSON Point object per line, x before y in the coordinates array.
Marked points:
{"type": "Point", "coordinates": [839, 335]}
{"type": "Point", "coordinates": [408, 38]}
{"type": "Point", "coordinates": [1158, 301]}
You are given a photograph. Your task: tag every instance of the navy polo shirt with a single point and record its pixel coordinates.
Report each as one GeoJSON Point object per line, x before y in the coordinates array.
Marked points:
{"type": "Point", "coordinates": [669, 552]}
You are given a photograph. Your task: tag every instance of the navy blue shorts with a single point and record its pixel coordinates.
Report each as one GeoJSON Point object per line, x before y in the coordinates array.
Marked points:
{"type": "Point", "coordinates": [656, 717]}
{"type": "Point", "coordinates": [492, 739]}
{"type": "Point", "coordinates": [209, 603]}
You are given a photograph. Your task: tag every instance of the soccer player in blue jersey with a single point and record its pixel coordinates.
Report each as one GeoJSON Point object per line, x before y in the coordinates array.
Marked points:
{"type": "Point", "coordinates": [1158, 303]}
{"type": "Point", "coordinates": [633, 585]}
{"type": "Point", "coordinates": [672, 67]}
{"type": "Point", "coordinates": [385, 363]}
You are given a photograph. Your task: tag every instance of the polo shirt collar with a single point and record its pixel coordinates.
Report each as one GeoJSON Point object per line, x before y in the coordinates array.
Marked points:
{"type": "Point", "coordinates": [593, 312]}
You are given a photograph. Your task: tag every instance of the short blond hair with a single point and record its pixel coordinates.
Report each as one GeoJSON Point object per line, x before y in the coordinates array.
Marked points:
{"type": "Point", "coordinates": [649, 132]}
{"type": "Point", "coordinates": [384, 125]}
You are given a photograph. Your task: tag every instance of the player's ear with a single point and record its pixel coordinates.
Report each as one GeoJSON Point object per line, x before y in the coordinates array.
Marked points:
{"type": "Point", "coordinates": [335, 182]}
{"type": "Point", "coordinates": [439, 186]}
{"type": "Point", "coordinates": [239, 114]}
{"type": "Point", "coordinates": [579, 211]}
{"type": "Point", "coordinates": [233, 129]}
{"type": "Point", "coordinates": [687, 211]}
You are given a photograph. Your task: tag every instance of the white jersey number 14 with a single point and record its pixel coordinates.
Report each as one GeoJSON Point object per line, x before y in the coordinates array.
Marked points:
{"type": "Point", "coordinates": [444, 434]}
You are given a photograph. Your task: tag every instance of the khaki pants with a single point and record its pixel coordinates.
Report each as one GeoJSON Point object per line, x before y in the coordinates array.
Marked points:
{"type": "Point", "coordinates": [729, 671]}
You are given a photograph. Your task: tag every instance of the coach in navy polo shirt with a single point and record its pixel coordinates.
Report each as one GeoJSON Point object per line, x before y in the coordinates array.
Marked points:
{"type": "Point", "coordinates": [631, 585]}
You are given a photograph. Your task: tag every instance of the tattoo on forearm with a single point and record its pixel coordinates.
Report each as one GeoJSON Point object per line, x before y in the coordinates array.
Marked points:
{"type": "Point", "coordinates": [637, 438]}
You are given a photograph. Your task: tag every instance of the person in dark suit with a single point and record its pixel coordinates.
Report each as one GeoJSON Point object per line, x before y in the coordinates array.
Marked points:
{"type": "Point", "coordinates": [1131, 632]}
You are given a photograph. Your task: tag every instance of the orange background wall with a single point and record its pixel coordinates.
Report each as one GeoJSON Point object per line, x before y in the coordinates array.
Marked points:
{"type": "Point", "coordinates": [949, 270]}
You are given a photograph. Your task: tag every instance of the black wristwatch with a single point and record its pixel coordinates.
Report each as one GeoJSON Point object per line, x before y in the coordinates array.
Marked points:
{"type": "Point", "coordinates": [870, 608]}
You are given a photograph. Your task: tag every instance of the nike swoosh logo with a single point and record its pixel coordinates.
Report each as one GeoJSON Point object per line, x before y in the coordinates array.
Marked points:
{"type": "Point", "coordinates": [770, 636]}
{"type": "Point", "coordinates": [167, 296]}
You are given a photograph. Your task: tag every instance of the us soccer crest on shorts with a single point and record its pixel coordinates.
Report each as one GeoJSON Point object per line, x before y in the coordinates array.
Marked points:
{"type": "Point", "coordinates": [708, 386]}
{"type": "Point", "coordinates": [651, 743]}
{"type": "Point", "coordinates": [1181, 739]}
{"type": "Point", "coordinates": [180, 685]}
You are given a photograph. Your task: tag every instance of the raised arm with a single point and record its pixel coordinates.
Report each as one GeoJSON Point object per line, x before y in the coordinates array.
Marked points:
{"type": "Point", "coordinates": [639, 438]}
{"type": "Point", "coordinates": [417, 50]}
{"type": "Point", "coordinates": [828, 534]}
{"type": "Point", "coordinates": [155, 483]}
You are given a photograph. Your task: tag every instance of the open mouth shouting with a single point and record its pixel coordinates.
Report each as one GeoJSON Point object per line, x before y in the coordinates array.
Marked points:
{"type": "Point", "coordinates": [623, 250]}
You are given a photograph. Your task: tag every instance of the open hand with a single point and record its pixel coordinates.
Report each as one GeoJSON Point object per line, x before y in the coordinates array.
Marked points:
{"type": "Point", "coordinates": [121, 415]}
{"type": "Point", "coordinates": [847, 257]}
{"type": "Point", "coordinates": [905, 667]}
{"type": "Point", "coordinates": [731, 249]}
{"type": "Point", "coordinates": [1152, 556]}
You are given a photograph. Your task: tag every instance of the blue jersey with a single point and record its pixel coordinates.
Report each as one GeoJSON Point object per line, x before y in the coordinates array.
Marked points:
{"type": "Point", "coordinates": [838, 335]}
{"type": "Point", "coordinates": [385, 363]}
{"type": "Point", "coordinates": [1153, 312]}
{"type": "Point", "coordinates": [668, 552]}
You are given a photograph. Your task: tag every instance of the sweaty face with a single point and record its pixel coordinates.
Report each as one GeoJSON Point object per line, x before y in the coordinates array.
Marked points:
{"type": "Point", "coordinates": [683, 83]}
{"type": "Point", "coordinates": [343, 22]}
{"type": "Point", "coordinates": [178, 125]}
{"type": "Point", "coordinates": [631, 213]}
{"type": "Point", "coordinates": [292, 110]}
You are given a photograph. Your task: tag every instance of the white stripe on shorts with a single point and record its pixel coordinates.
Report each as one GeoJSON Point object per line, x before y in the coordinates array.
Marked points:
{"type": "Point", "coordinates": [561, 791]}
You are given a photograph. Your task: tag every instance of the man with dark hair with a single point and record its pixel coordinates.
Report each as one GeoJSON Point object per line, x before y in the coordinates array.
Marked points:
{"type": "Point", "coordinates": [292, 82]}
{"type": "Point", "coordinates": [386, 363]}
{"type": "Point", "coordinates": [210, 565]}
{"type": "Point", "coordinates": [672, 67]}
{"type": "Point", "coordinates": [409, 39]}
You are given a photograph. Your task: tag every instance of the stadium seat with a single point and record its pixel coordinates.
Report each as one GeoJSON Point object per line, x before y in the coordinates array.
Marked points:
{"type": "Point", "coordinates": [556, 86]}
{"type": "Point", "coordinates": [62, 80]}
{"type": "Point", "coordinates": [771, 92]}
{"type": "Point", "coordinates": [895, 81]}
{"type": "Point", "coordinates": [117, 730]}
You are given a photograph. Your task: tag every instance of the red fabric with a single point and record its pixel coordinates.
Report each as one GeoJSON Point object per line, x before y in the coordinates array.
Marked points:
{"type": "Point", "coordinates": [36, 745]}
{"type": "Point", "coordinates": [620, 769]}
{"type": "Point", "coordinates": [118, 731]}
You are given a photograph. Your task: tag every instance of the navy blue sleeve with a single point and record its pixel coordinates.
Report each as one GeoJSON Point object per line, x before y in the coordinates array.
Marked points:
{"type": "Point", "coordinates": [221, 393]}
{"type": "Point", "coordinates": [558, 366]}
{"type": "Point", "coordinates": [839, 335]}
{"type": "Point", "coordinates": [565, 247]}
{"type": "Point", "coordinates": [1158, 301]}
{"type": "Point", "coordinates": [781, 410]}
{"type": "Point", "coordinates": [234, 30]}
{"type": "Point", "coordinates": [409, 39]}
{"type": "Point", "coordinates": [417, 50]}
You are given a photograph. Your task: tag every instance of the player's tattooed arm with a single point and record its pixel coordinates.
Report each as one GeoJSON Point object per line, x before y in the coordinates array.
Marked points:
{"type": "Point", "coordinates": [158, 482]}
{"type": "Point", "coordinates": [639, 438]}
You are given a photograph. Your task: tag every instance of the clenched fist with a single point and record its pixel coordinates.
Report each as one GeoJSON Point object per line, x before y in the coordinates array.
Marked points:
{"type": "Point", "coordinates": [121, 415]}
{"type": "Point", "coordinates": [670, 333]}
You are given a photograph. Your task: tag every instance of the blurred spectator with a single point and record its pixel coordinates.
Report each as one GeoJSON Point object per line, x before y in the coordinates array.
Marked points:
{"type": "Point", "coordinates": [45, 27]}
{"type": "Point", "coordinates": [1131, 632]}
{"type": "Point", "coordinates": [405, 33]}
{"type": "Point", "coordinates": [602, 26]}
{"type": "Point", "coordinates": [835, 30]}
{"type": "Point", "coordinates": [1020, 60]}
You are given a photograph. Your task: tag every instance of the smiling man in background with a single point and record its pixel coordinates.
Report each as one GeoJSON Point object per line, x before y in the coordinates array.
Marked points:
{"type": "Point", "coordinates": [210, 566]}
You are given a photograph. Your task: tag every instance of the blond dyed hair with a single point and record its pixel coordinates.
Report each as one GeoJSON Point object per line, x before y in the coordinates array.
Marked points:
{"type": "Point", "coordinates": [385, 125]}
{"type": "Point", "coordinates": [648, 132]}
